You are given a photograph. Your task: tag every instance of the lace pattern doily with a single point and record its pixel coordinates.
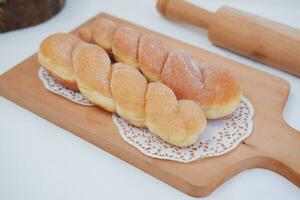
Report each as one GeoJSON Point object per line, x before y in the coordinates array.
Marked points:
{"type": "Point", "coordinates": [53, 86]}
{"type": "Point", "coordinates": [219, 137]}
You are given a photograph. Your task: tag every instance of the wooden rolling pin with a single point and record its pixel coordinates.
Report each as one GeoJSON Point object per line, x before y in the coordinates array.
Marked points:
{"type": "Point", "coordinates": [264, 40]}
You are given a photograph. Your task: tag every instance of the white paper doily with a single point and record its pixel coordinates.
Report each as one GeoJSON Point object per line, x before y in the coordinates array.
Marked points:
{"type": "Point", "coordinates": [219, 137]}
{"type": "Point", "coordinates": [53, 86]}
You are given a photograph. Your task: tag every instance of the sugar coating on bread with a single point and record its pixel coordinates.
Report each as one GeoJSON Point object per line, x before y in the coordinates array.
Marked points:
{"type": "Point", "coordinates": [152, 54]}
{"type": "Point", "coordinates": [55, 54]}
{"type": "Point", "coordinates": [181, 73]}
{"type": "Point", "coordinates": [92, 66]}
{"type": "Point", "coordinates": [103, 33]}
{"type": "Point", "coordinates": [85, 34]}
{"type": "Point", "coordinates": [123, 89]}
{"type": "Point", "coordinates": [213, 87]}
{"type": "Point", "coordinates": [221, 93]}
{"type": "Point", "coordinates": [163, 114]}
{"type": "Point", "coordinates": [177, 68]}
{"type": "Point", "coordinates": [128, 87]}
{"type": "Point", "coordinates": [194, 120]}
{"type": "Point", "coordinates": [177, 122]}
{"type": "Point", "coordinates": [125, 45]}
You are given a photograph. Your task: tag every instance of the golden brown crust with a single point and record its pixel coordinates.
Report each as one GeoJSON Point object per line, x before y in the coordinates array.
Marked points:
{"type": "Point", "coordinates": [221, 93]}
{"type": "Point", "coordinates": [213, 87]}
{"type": "Point", "coordinates": [162, 113]}
{"type": "Point", "coordinates": [125, 45]}
{"type": "Point", "coordinates": [218, 94]}
{"type": "Point", "coordinates": [178, 123]}
{"type": "Point", "coordinates": [92, 67]}
{"type": "Point", "coordinates": [58, 48]}
{"type": "Point", "coordinates": [181, 73]}
{"type": "Point", "coordinates": [128, 87]}
{"type": "Point", "coordinates": [194, 120]}
{"type": "Point", "coordinates": [85, 34]}
{"type": "Point", "coordinates": [103, 33]}
{"type": "Point", "coordinates": [152, 55]}
{"type": "Point", "coordinates": [123, 89]}
{"type": "Point", "coordinates": [55, 55]}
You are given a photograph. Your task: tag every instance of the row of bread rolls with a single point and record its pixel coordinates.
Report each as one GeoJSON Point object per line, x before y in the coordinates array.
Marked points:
{"type": "Point", "coordinates": [121, 88]}
{"type": "Point", "coordinates": [213, 87]}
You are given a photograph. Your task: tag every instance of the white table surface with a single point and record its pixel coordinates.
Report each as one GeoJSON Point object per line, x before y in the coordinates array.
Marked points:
{"type": "Point", "coordinates": [39, 160]}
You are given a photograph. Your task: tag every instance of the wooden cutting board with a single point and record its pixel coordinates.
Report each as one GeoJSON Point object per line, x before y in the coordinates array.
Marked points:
{"type": "Point", "coordinates": [273, 145]}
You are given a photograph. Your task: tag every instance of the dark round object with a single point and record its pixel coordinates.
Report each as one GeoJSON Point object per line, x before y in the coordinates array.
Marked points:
{"type": "Point", "coordinates": [15, 14]}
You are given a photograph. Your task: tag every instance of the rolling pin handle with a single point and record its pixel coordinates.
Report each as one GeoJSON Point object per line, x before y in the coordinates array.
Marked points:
{"type": "Point", "coordinates": [183, 11]}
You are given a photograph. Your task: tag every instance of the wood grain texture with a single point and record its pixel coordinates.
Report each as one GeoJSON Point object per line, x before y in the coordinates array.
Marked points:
{"type": "Point", "coordinates": [256, 37]}
{"type": "Point", "coordinates": [261, 39]}
{"type": "Point", "coordinates": [273, 145]}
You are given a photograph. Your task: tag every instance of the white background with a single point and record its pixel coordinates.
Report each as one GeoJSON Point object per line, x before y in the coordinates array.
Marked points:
{"type": "Point", "coordinates": [39, 160]}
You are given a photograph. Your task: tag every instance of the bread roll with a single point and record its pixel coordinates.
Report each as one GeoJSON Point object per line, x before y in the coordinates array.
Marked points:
{"type": "Point", "coordinates": [151, 105]}
{"type": "Point", "coordinates": [125, 45]}
{"type": "Point", "coordinates": [100, 32]}
{"type": "Point", "coordinates": [123, 89]}
{"type": "Point", "coordinates": [194, 120]}
{"type": "Point", "coordinates": [128, 87]}
{"type": "Point", "coordinates": [215, 88]}
{"type": "Point", "coordinates": [176, 122]}
{"type": "Point", "coordinates": [181, 73]}
{"type": "Point", "coordinates": [103, 33]}
{"type": "Point", "coordinates": [221, 93]}
{"type": "Point", "coordinates": [92, 67]}
{"type": "Point", "coordinates": [55, 54]}
{"type": "Point", "coordinates": [152, 55]}
{"type": "Point", "coordinates": [85, 34]}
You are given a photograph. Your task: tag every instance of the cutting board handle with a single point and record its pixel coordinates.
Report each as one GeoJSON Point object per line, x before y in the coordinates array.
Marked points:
{"type": "Point", "coordinates": [183, 11]}
{"type": "Point", "coordinates": [283, 149]}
